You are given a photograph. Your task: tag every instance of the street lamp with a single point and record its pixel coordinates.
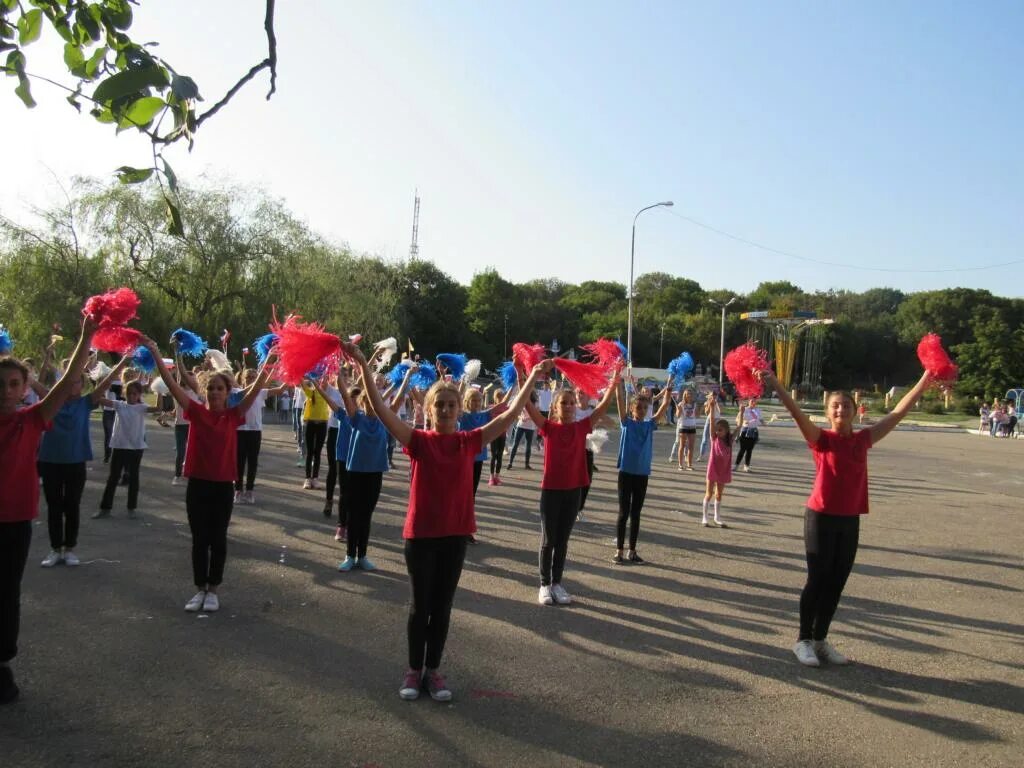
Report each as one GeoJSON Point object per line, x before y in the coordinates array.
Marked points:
{"type": "Point", "coordinates": [721, 348]}
{"type": "Point", "coordinates": [661, 348]}
{"type": "Point", "coordinates": [632, 253]}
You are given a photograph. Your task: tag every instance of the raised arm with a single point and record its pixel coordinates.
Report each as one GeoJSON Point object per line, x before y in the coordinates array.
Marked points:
{"type": "Point", "coordinates": [620, 400]}
{"type": "Point", "coordinates": [887, 424]}
{"type": "Point", "coordinates": [606, 401]}
{"type": "Point", "coordinates": [394, 425]}
{"type": "Point", "coordinates": [54, 399]}
{"type": "Point", "coordinates": [808, 428]}
{"type": "Point", "coordinates": [176, 390]}
{"type": "Point", "coordinates": [396, 400]}
{"type": "Point", "coordinates": [666, 399]}
{"type": "Point", "coordinates": [101, 389]}
{"type": "Point", "coordinates": [499, 425]}
{"type": "Point", "coordinates": [261, 381]}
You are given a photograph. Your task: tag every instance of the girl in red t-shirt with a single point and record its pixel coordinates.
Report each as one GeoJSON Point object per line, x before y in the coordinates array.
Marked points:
{"type": "Point", "coordinates": [832, 517]}
{"type": "Point", "coordinates": [440, 516]}
{"type": "Point", "coordinates": [565, 476]}
{"type": "Point", "coordinates": [211, 454]}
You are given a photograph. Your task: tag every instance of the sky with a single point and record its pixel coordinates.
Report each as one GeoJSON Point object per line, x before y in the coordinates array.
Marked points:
{"type": "Point", "coordinates": [859, 144]}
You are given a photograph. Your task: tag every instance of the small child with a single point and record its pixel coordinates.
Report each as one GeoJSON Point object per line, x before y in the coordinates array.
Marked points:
{"type": "Point", "coordinates": [720, 466]}
{"type": "Point", "coordinates": [127, 443]}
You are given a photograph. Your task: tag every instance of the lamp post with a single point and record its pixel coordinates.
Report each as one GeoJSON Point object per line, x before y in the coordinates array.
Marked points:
{"type": "Point", "coordinates": [632, 253]}
{"type": "Point", "coordinates": [661, 348]}
{"type": "Point", "coordinates": [721, 347]}
{"type": "Point", "coordinates": [505, 338]}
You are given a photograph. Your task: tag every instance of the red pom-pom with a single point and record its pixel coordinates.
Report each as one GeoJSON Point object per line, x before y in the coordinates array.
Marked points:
{"type": "Point", "coordinates": [115, 338]}
{"type": "Point", "coordinates": [301, 347]}
{"type": "Point", "coordinates": [113, 307]}
{"type": "Point", "coordinates": [606, 353]}
{"type": "Point", "coordinates": [526, 356]}
{"type": "Point", "coordinates": [935, 360]}
{"type": "Point", "coordinates": [591, 378]}
{"type": "Point", "coordinates": [740, 365]}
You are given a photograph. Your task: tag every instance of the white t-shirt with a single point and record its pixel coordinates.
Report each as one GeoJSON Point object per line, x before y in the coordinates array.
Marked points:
{"type": "Point", "coordinates": [583, 413]}
{"type": "Point", "coordinates": [254, 416]}
{"type": "Point", "coordinates": [544, 399]}
{"type": "Point", "coordinates": [129, 426]}
{"type": "Point", "coordinates": [179, 417]}
{"type": "Point", "coordinates": [300, 400]}
{"type": "Point", "coordinates": [332, 420]}
{"type": "Point", "coordinates": [525, 422]}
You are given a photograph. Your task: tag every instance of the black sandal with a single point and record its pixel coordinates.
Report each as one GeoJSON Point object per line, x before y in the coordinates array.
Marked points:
{"type": "Point", "coordinates": [618, 560]}
{"type": "Point", "coordinates": [635, 558]}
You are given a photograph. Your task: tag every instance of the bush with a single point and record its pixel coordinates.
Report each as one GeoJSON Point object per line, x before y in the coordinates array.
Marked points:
{"type": "Point", "coordinates": [934, 407]}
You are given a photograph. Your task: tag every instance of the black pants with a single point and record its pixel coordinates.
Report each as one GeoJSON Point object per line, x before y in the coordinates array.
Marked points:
{"type": "Point", "coordinates": [124, 461]}
{"type": "Point", "coordinates": [497, 454]}
{"type": "Point", "coordinates": [108, 430]}
{"type": "Point", "coordinates": [316, 434]}
{"type": "Point", "coordinates": [516, 440]}
{"type": "Point", "coordinates": [831, 544]}
{"type": "Point", "coordinates": [342, 493]}
{"type": "Point", "coordinates": [63, 485]}
{"type": "Point", "coordinates": [180, 441]}
{"type": "Point", "coordinates": [248, 453]}
{"type": "Point", "coordinates": [746, 448]}
{"type": "Point", "coordinates": [558, 510]}
{"type": "Point", "coordinates": [361, 495]}
{"type": "Point", "coordinates": [332, 465]}
{"type": "Point", "coordinates": [434, 566]}
{"type": "Point", "coordinates": [478, 468]}
{"type": "Point", "coordinates": [208, 504]}
{"type": "Point", "coordinates": [632, 492]}
{"type": "Point", "coordinates": [391, 450]}
{"type": "Point", "coordinates": [14, 543]}
{"type": "Point", "coordinates": [585, 490]}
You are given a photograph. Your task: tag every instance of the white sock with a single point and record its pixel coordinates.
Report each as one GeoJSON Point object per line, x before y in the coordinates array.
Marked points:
{"type": "Point", "coordinates": [705, 507]}
{"type": "Point", "coordinates": [716, 510]}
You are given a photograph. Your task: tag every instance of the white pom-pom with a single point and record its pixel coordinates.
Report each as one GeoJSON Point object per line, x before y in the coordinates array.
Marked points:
{"type": "Point", "coordinates": [472, 370]}
{"type": "Point", "coordinates": [390, 347]}
{"type": "Point", "coordinates": [99, 371]}
{"type": "Point", "coordinates": [597, 439]}
{"type": "Point", "coordinates": [159, 387]}
{"type": "Point", "coordinates": [218, 360]}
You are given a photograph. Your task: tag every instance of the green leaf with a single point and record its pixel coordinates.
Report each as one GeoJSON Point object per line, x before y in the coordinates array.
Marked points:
{"type": "Point", "coordinates": [74, 59]}
{"type": "Point", "coordinates": [130, 81]}
{"type": "Point", "coordinates": [184, 87]}
{"type": "Point", "coordinates": [174, 225]}
{"type": "Point", "coordinates": [119, 13]}
{"type": "Point", "coordinates": [15, 64]}
{"type": "Point", "coordinates": [29, 26]}
{"type": "Point", "coordinates": [24, 93]}
{"type": "Point", "coordinates": [102, 114]}
{"type": "Point", "coordinates": [93, 64]}
{"type": "Point", "coordinates": [73, 101]}
{"type": "Point", "coordinates": [142, 111]}
{"type": "Point", "coordinates": [128, 175]}
{"type": "Point", "coordinates": [88, 28]}
{"type": "Point", "coordinates": [172, 179]}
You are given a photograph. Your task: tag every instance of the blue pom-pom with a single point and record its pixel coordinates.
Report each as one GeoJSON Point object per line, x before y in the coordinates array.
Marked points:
{"type": "Point", "coordinates": [455, 363]}
{"type": "Point", "coordinates": [189, 344]}
{"type": "Point", "coordinates": [622, 348]}
{"type": "Point", "coordinates": [509, 376]}
{"type": "Point", "coordinates": [397, 374]}
{"type": "Point", "coordinates": [263, 345]}
{"type": "Point", "coordinates": [6, 345]}
{"type": "Point", "coordinates": [234, 398]}
{"type": "Point", "coordinates": [143, 360]}
{"type": "Point", "coordinates": [318, 372]}
{"type": "Point", "coordinates": [680, 367]}
{"type": "Point", "coordinates": [425, 376]}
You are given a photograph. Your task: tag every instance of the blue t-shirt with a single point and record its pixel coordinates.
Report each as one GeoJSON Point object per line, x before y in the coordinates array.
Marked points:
{"type": "Point", "coordinates": [68, 441]}
{"type": "Point", "coordinates": [474, 420]}
{"type": "Point", "coordinates": [344, 435]}
{"type": "Point", "coordinates": [368, 446]}
{"type": "Point", "coordinates": [635, 445]}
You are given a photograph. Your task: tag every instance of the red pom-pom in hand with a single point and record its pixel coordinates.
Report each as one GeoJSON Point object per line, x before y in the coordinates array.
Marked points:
{"type": "Point", "coordinates": [113, 307]}
{"type": "Point", "coordinates": [606, 353]}
{"type": "Point", "coordinates": [301, 347]}
{"type": "Point", "coordinates": [115, 338]}
{"type": "Point", "coordinates": [527, 356]}
{"type": "Point", "coordinates": [935, 360]}
{"type": "Point", "coordinates": [591, 378]}
{"type": "Point", "coordinates": [740, 365]}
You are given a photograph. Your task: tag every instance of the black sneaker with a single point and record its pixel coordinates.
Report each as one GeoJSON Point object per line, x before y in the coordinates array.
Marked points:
{"type": "Point", "coordinates": [8, 688]}
{"type": "Point", "coordinates": [327, 509]}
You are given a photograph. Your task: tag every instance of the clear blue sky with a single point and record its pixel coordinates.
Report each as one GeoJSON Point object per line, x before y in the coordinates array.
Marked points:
{"type": "Point", "coordinates": [883, 135]}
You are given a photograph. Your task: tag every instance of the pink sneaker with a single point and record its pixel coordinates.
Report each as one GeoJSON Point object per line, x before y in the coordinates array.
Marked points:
{"type": "Point", "coordinates": [340, 533]}
{"type": "Point", "coordinates": [490, 480]}
{"type": "Point", "coordinates": [497, 479]}
{"type": "Point", "coordinates": [436, 686]}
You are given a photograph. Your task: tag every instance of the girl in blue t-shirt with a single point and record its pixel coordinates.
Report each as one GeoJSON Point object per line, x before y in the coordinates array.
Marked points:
{"type": "Point", "coordinates": [63, 452]}
{"type": "Point", "coordinates": [636, 444]}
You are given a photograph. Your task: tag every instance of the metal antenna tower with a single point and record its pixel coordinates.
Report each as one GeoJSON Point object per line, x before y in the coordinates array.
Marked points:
{"type": "Point", "coordinates": [414, 247]}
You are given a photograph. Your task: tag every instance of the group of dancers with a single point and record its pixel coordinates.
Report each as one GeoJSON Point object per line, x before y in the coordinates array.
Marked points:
{"type": "Point", "coordinates": [445, 432]}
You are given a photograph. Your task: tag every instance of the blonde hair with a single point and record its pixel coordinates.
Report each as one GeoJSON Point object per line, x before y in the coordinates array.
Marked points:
{"type": "Point", "coordinates": [437, 388]}
{"type": "Point", "coordinates": [205, 377]}
{"type": "Point", "coordinates": [560, 396]}
{"type": "Point", "coordinates": [470, 393]}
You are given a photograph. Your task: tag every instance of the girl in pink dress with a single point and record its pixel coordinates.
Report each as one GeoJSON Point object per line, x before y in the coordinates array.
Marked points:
{"type": "Point", "coordinates": [720, 466]}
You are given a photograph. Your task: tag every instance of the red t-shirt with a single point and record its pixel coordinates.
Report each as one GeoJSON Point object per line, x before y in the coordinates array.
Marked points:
{"type": "Point", "coordinates": [565, 455]}
{"type": "Point", "coordinates": [441, 491]}
{"type": "Point", "coordinates": [212, 447]}
{"type": "Point", "coordinates": [841, 480]}
{"type": "Point", "coordinates": [20, 433]}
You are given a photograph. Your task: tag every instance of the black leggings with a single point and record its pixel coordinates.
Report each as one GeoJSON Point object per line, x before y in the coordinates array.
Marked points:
{"type": "Point", "coordinates": [316, 433]}
{"type": "Point", "coordinates": [342, 473]}
{"type": "Point", "coordinates": [497, 454]}
{"type": "Point", "coordinates": [434, 566]}
{"type": "Point", "coordinates": [332, 465]}
{"type": "Point", "coordinates": [558, 510]}
{"type": "Point", "coordinates": [63, 485]}
{"type": "Point", "coordinates": [249, 442]}
{"type": "Point", "coordinates": [632, 492]}
{"type": "Point", "coordinates": [831, 544]}
{"type": "Point", "coordinates": [478, 468]}
{"type": "Point", "coordinates": [15, 539]}
{"type": "Point", "coordinates": [746, 449]}
{"type": "Point", "coordinates": [180, 441]}
{"type": "Point", "coordinates": [108, 430]}
{"type": "Point", "coordinates": [362, 492]}
{"type": "Point", "coordinates": [585, 490]}
{"type": "Point", "coordinates": [123, 461]}
{"type": "Point", "coordinates": [208, 504]}
{"type": "Point", "coordinates": [518, 438]}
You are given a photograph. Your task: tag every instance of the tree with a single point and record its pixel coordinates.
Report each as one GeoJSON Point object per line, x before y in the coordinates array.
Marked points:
{"type": "Point", "coordinates": [491, 304]}
{"type": "Point", "coordinates": [993, 360]}
{"type": "Point", "coordinates": [779, 295]}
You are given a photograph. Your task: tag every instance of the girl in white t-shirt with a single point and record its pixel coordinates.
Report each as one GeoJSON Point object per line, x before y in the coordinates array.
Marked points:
{"type": "Point", "coordinates": [127, 442]}
{"type": "Point", "coordinates": [250, 438]}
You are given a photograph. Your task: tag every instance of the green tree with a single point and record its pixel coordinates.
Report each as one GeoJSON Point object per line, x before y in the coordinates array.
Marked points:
{"type": "Point", "coordinates": [993, 360]}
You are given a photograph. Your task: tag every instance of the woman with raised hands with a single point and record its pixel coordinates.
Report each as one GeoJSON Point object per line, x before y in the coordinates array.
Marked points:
{"type": "Point", "coordinates": [440, 515]}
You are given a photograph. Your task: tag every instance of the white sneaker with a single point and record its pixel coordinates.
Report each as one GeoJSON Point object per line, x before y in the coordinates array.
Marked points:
{"type": "Point", "coordinates": [805, 654]}
{"type": "Point", "coordinates": [250, 497]}
{"type": "Point", "coordinates": [544, 596]}
{"type": "Point", "coordinates": [52, 559]}
{"type": "Point", "coordinates": [824, 650]}
{"type": "Point", "coordinates": [560, 595]}
{"type": "Point", "coordinates": [196, 603]}
{"type": "Point", "coordinates": [746, 468]}
{"type": "Point", "coordinates": [316, 484]}
{"type": "Point", "coordinates": [70, 558]}
{"type": "Point", "coordinates": [211, 602]}
{"type": "Point", "coordinates": [176, 480]}
{"type": "Point", "coordinates": [308, 484]}
{"type": "Point", "coordinates": [239, 497]}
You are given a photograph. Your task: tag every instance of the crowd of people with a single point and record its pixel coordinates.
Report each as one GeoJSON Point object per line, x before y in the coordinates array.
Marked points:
{"type": "Point", "coordinates": [448, 430]}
